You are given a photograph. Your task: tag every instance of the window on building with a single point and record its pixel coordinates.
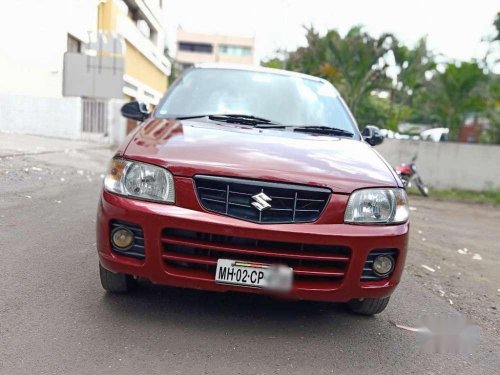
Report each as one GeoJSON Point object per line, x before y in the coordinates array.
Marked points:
{"type": "Point", "coordinates": [196, 47]}
{"type": "Point", "coordinates": [140, 20]}
{"type": "Point", "coordinates": [74, 44]}
{"type": "Point", "coordinates": [232, 50]}
{"type": "Point", "coordinates": [144, 28]}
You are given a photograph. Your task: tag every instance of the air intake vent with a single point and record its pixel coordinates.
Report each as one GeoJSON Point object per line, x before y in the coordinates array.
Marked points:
{"type": "Point", "coordinates": [188, 253]}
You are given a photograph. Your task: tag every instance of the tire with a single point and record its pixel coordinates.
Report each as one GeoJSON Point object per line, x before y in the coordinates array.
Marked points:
{"type": "Point", "coordinates": [424, 190]}
{"type": "Point", "coordinates": [368, 306]}
{"type": "Point", "coordinates": [115, 282]}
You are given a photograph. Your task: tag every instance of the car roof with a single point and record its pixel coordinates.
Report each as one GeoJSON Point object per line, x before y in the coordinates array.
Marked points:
{"type": "Point", "coordinates": [259, 69]}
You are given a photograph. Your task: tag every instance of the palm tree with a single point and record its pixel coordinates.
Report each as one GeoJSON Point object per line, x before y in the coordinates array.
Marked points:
{"type": "Point", "coordinates": [359, 63]}
{"type": "Point", "coordinates": [355, 63]}
{"type": "Point", "coordinates": [457, 90]}
{"type": "Point", "coordinates": [413, 65]}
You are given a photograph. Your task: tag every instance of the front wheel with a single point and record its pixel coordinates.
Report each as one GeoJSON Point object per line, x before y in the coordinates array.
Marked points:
{"type": "Point", "coordinates": [115, 282]}
{"type": "Point", "coordinates": [368, 306]}
{"type": "Point", "coordinates": [424, 190]}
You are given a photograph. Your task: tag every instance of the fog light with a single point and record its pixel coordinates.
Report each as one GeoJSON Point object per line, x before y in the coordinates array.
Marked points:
{"type": "Point", "coordinates": [122, 238]}
{"type": "Point", "coordinates": [383, 265]}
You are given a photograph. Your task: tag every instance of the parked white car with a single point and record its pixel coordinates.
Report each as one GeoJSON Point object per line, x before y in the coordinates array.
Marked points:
{"type": "Point", "coordinates": [386, 133]}
{"type": "Point", "coordinates": [435, 135]}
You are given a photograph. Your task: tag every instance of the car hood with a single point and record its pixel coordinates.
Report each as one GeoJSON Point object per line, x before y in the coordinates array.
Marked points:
{"type": "Point", "coordinates": [192, 147]}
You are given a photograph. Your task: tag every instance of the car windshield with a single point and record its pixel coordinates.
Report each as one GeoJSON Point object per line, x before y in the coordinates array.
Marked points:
{"type": "Point", "coordinates": [284, 99]}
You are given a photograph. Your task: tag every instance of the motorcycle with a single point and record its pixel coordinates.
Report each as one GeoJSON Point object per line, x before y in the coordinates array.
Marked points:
{"type": "Point", "coordinates": [408, 175]}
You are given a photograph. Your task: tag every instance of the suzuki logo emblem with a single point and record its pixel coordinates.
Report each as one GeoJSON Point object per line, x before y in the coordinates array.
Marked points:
{"type": "Point", "coordinates": [261, 200]}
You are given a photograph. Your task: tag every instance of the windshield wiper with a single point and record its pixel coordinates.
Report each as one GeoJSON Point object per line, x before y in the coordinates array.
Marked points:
{"type": "Point", "coordinates": [323, 130]}
{"type": "Point", "coordinates": [263, 123]}
{"type": "Point", "coordinates": [235, 118]}
{"type": "Point", "coordinates": [189, 117]}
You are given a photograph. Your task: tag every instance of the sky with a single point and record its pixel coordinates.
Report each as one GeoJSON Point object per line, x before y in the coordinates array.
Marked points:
{"type": "Point", "coordinates": [453, 28]}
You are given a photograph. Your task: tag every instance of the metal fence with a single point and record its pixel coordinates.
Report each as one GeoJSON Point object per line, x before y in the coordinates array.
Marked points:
{"type": "Point", "coordinates": [94, 119]}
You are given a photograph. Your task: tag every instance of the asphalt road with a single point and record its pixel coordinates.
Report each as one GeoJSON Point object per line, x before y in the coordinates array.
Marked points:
{"type": "Point", "coordinates": [56, 319]}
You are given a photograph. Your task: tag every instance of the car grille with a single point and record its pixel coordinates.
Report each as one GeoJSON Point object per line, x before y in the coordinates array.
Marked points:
{"type": "Point", "coordinates": [233, 197]}
{"type": "Point", "coordinates": [368, 274]}
{"type": "Point", "coordinates": [195, 254]}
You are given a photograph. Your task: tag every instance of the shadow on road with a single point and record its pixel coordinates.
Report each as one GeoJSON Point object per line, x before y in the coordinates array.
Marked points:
{"type": "Point", "coordinates": [237, 312]}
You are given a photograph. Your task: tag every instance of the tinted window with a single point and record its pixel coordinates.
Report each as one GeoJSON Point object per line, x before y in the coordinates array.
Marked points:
{"type": "Point", "coordinates": [290, 100]}
{"type": "Point", "coordinates": [196, 47]}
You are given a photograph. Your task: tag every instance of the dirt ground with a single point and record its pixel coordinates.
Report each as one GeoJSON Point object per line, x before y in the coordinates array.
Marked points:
{"type": "Point", "coordinates": [459, 245]}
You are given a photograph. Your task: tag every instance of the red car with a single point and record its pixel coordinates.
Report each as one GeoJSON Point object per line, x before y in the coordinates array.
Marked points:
{"type": "Point", "coordinates": [253, 180]}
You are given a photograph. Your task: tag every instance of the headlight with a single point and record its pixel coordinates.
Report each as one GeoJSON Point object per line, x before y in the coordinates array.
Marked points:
{"type": "Point", "coordinates": [140, 180]}
{"type": "Point", "coordinates": [377, 206]}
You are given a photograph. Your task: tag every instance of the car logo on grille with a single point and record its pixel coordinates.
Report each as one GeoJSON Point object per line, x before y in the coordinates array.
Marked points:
{"type": "Point", "coordinates": [261, 200]}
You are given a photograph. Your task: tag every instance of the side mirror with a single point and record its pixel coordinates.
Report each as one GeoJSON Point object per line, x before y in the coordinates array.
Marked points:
{"type": "Point", "coordinates": [372, 135]}
{"type": "Point", "coordinates": [135, 111]}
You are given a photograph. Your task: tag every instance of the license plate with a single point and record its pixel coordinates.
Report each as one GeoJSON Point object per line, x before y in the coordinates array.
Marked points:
{"type": "Point", "coordinates": [254, 275]}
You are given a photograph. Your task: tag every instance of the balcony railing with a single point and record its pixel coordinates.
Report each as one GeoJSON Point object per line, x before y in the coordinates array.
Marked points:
{"type": "Point", "coordinates": [127, 28]}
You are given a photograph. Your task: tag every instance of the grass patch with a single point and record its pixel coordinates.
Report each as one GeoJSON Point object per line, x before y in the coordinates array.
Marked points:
{"type": "Point", "coordinates": [487, 196]}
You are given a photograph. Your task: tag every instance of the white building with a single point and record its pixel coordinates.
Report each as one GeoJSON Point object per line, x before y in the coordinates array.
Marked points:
{"type": "Point", "coordinates": [193, 48]}
{"type": "Point", "coordinates": [35, 35]}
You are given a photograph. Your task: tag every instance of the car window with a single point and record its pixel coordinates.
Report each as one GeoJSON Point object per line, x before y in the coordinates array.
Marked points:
{"type": "Point", "coordinates": [289, 100]}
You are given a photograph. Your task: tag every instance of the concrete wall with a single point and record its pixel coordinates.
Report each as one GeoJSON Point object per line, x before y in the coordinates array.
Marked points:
{"type": "Point", "coordinates": [448, 165]}
{"type": "Point", "coordinates": [54, 117]}
{"type": "Point", "coordinates": [57, 117]}
{"type": "Point", "coordinates": [117, 123]}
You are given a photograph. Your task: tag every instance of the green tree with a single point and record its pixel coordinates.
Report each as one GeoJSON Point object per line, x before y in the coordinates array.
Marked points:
{"type": "Point", "coordinates": [308, 59]}
{"type": "Point", "coordinates": [492, 135]}
{"type": "Point", "coordinates": [355, 62]}
{"type": "Point", "coordinates": [457, 90]}
{"type": "Point", "coordinates": [412, 65]}
{"type": "Point", "coordinates": [375, 111]}
{"type": "Point", "coordinates": [493, 111]}
{"type": "Point", "coordinates": [358, 64]}
{"type": "Point", "coordinates": [275, 63]}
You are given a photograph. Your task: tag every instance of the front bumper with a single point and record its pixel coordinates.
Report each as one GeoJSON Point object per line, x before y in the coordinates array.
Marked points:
{"type": "Point", "coordinates": [154, 218]}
